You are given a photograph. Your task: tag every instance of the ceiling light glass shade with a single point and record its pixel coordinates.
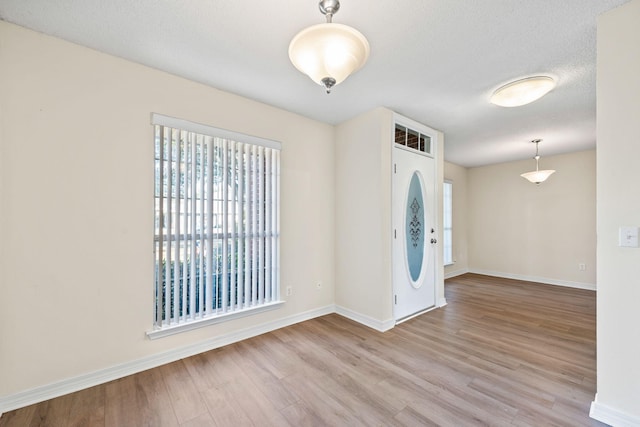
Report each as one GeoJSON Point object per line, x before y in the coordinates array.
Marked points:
{"type": "Point", "coordinates": [538, 176]}
{"type": "Point", "coordinates": [328, 53]}
{"type": "Point", "coordinates": [522, 92]}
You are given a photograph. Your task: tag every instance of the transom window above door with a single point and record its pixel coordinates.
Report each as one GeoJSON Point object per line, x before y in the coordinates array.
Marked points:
{"type": "Point", "coordinates": [412, 139]}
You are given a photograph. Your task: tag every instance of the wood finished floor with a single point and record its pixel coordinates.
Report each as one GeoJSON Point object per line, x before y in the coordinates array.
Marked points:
{"type": "Point", "coordinates": [501, 353]}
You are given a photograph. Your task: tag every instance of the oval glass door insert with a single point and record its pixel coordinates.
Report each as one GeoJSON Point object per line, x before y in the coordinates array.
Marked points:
{"type": "Point", "coordinates": [414, 232]}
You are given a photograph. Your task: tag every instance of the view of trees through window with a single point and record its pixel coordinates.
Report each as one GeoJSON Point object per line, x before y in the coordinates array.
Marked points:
{"type": "Point", "coordinates": [216, 225]}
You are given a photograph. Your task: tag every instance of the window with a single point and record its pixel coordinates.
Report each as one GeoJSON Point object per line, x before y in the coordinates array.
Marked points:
{"type": "Point", "coordinates": [216, 240]}
{"type": "Point", "coordinates": [412, 139]}
{"type": "Point", "coordinates": [448, 222]}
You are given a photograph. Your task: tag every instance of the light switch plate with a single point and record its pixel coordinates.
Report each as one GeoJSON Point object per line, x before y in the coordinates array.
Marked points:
{"type": "Point", "coordinates": [629, 237]}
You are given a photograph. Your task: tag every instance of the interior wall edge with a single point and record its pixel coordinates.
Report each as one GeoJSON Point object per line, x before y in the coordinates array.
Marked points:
{"type": "Point", "coordinates": [378, 325]}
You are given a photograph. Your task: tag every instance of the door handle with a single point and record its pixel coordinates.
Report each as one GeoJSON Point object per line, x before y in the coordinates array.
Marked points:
{"type": "Point", "coordinates": [434, 241]}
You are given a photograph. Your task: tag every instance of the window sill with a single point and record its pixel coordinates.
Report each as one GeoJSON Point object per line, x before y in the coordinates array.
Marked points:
{"type": "Point", "coordinates": [225, 317]}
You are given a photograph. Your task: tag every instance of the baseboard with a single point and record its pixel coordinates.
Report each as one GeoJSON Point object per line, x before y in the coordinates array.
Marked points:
{"type": "Point", "coordinates": [70, 385]}
{"type": "Point", "coordinates": [451, 274]}
{"type": "Point", "coordinates": [376, 324]}
{"type": "Point", "coordinates": [613, 417]}
{"type": "Point", "coordinates": [538, 279]}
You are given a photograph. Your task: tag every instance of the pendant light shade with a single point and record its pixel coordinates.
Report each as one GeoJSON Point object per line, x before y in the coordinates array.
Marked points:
{"type": "Point", "coordinates": [522, 92]}
{"type": "Point", "coordinates": [537, 176]}
{"type": "Point", "coordinates": [328, 53]}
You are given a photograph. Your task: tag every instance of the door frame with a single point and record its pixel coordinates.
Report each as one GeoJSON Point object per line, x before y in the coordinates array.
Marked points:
{"type": "Point", "coordinates": [433, 153]}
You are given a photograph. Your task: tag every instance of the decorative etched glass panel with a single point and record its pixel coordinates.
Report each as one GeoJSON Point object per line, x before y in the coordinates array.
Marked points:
{"type": "Point", "coordinates": [415, 222]}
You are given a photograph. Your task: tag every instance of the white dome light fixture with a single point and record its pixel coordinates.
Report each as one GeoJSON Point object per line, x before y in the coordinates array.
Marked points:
{"type": "Point", "coordinates": [329, 53]}
{"type": "Point", "coordinates": [522, 92]}
{"type": "Point", "coordinates": [537, 176]}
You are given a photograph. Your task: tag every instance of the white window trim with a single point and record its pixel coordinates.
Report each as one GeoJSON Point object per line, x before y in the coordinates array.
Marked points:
{"type": "Point", "coordinates": [199, 323]}
{"type": "Point", "coordinates": [450, 182]}
{"type": "Point", "coordinates": [188, 126]}
{"type": "Point", "coordinates": [159, 119]}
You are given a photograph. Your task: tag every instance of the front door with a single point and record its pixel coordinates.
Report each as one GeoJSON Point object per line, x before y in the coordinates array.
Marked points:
{"type": "Point", "coordinates": [414, 242]}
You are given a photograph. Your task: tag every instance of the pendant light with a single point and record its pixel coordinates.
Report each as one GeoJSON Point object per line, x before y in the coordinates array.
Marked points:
{"type": "Point", "coordinates": [537, 176]}
{"type": "Point", "coordinates": [328, 53]}
{"type": "Point", "coordinates": [522, 92]}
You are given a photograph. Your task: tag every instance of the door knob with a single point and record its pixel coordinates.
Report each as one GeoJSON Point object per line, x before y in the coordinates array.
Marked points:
{"type": "Point", "coordinates": [434, 241]}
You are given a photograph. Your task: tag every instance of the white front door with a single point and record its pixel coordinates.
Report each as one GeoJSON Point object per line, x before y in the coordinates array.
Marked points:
{"type": "Point", "coordinates": [414, 242]}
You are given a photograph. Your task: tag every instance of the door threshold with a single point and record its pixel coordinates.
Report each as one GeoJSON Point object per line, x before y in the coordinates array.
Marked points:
{"type": "Point", "coordinates": [411, 316]}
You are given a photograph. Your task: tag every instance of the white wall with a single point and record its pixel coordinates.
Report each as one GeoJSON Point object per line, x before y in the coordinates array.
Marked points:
{"type": "Point", "coordinates": [618, 398]}
{"type": "Point", "coordinates": [458, 176]}
{"type": "Point", "coordinates": [539, 233]}
{"type": "Point", "coordinates": [76, 194]}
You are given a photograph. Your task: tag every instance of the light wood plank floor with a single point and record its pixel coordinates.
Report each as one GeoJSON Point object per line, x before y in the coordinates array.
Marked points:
{"type": "Point", "coordinates": [502, 352]}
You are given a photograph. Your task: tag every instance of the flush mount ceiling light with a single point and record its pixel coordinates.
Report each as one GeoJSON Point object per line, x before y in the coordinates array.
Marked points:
{"type": "Point", "coordinates": [523, 91]}
{"type": "Point", "coordinates": [537, 176]}
{"type": "Point", "coordinates": [328, 53]}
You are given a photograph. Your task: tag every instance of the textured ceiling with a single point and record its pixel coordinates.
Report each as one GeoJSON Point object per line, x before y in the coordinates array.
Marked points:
{"type": "Point", "coordinates": [435, 61]}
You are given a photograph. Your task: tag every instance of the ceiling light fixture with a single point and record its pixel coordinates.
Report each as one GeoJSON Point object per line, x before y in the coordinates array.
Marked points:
{"type": "Point", "coordinates": [328, 53]}
{"type": "Point", "coordinates": [537, 176]}
{"type": "Point", "coordinates": [523, 91]}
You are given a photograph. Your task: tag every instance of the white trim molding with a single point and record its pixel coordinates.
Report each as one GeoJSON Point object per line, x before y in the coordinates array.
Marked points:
{"type": "Point", "coordinates": [611, 416]}
{"type": "Point", "coordinates": [80, 382]}
{"type": "Point", "coordinates": [70, 385]}
{"type": "Point", "coordinates": [160, 119]}
{"type": "Point", "coordinates": [172, 330]}
{"type": "Point", "coordinates": [537, 279]}
{"type": "Point", "coordinates": [378, 325]}
{"type": "Point", "coordinates": [451, 274]}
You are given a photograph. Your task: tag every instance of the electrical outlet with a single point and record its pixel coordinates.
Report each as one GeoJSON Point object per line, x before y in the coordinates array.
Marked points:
{"type": "Point", "coordinates": [582, 266]}
{"type": "Point", "coordinates": [289, 291]}
{"type": "Point", "coordinates": [318, 285]}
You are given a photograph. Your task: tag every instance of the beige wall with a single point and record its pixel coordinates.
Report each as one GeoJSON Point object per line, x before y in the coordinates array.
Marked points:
{"type": "Point", "coordinates": [539, 233]}
{"type": "Point", "coordinates": [76, 203]}
{"type": "Point", "coordinates": [458, 176]}
{"type": "Point", "coordinates": [618, 205]}
{"type": "Point", "coordinates": [76, 222]}
{"type": "Point", "coordinates": [363, 215]}
{"type": "Point", "coordinates": [364, 285]}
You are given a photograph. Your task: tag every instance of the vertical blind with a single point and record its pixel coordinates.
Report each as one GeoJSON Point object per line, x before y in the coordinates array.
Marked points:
{"type": "Point", "coordinates": [216, 221]}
